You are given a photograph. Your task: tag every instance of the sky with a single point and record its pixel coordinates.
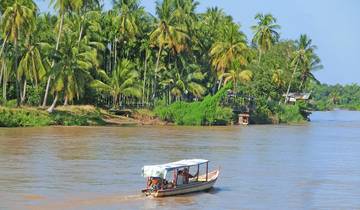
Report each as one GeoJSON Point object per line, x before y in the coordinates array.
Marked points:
{"type": "Point", "coordinates": [333, 25]}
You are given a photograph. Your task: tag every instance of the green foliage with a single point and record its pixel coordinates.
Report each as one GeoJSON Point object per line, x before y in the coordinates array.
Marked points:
{"type": "Point", "coordinates": [30, 117]}
{"type": "Point", "coordinates": [34, 96]}
{"type": "Point", "coordinates": [125, 56]}
{"type": "Point", "coordinates": [206, 112]}
{"type": "Point", "coordinates": [328, 97]}
{"type": "Point", "coordinates": [71, 119]}
{"type": "Point", "coordinates": [291, 114]}
{"type": "Point", "coordinates": [23, 118]}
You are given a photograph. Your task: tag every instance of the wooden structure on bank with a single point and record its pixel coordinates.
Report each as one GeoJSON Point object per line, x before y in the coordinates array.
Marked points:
{"type": "Point", "coordinates": [293, 97]}
{"type": "Point", "coordinates": [242, 106]}
{"type": "Point", "coordinates": [243, 119]}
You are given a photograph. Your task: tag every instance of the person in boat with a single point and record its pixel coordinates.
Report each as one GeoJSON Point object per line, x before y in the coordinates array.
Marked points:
{"type": "Point", "coordinates": [155, 183]}
{"type": "Point", "coordinates": [184, 176]}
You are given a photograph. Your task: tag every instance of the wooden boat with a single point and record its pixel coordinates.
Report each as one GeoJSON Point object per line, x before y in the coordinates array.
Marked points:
{"type": "Point", "coordinates": [195, 184]}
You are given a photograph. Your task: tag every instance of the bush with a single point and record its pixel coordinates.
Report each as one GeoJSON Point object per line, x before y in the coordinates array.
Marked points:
{"type": "Point", "coordinates": [23, 118]}
{"type": "Point", "coordinates": [207, 112]}
{"type": "Point", "coordinates": [30, 117]}
{"type": "Point", "coordinates": [77, 119]}
{"type": "Point", "coordinates": [291, 114]}
{"type": "Point", "coordinates": [34, 96]}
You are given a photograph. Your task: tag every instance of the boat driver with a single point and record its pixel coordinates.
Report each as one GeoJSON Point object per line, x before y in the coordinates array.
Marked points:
{"type": "Point", "coordinates": [184, 176]}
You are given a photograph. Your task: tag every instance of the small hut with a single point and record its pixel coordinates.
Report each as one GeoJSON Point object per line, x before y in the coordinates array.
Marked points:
{"type": "Point", "coordinates": [243, 119]}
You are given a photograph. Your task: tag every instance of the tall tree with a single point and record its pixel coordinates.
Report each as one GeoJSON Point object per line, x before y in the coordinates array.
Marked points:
{"type": "Point", "coordinates": [122, 82]}
{"type": "Point", "coordinates": [17, 21]}
{"type": "Point", "coordinates": [62, 6]}
{"type": "Point", "coordinates": [265, 32]}
{"type": "Point", "coordinates": [230, 49]}
{"type": "Point", "coordinates": [71, 71]}
{"type": "Point", "coordinates": [167, 33]}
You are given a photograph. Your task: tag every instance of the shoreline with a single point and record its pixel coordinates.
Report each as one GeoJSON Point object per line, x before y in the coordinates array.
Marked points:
{"type": "Point", "coordinates": [86, 115]}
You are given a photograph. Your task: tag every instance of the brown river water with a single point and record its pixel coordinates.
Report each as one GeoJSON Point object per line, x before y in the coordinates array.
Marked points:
{"type": "Point", "coordinates": [312, 166]}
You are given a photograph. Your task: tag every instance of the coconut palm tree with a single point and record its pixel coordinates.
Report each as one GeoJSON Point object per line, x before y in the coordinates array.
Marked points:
{"type": "Point", "coordinates": [167, 34]}
{"type": "Point", "coordinates": [230, 49]}
{"type": "Point", "coordinates": [265, 32]}
{"type": "Point", "coordinates": [62, 6]}
{"type": "Point", "coordinates": [312, 62]}
{"type": "Point", "coordinates": [71, 71]}
{"type": "Point", "coordinates": [236, 75]}
{"type": "Point", "coordinates": [6, 73]}
{"type": "Point", "coordinates": [31, 67]}
{"type": "Point", "coordinates": [123, 82]}
{"type": "Point", "coordinates": [18, 21]}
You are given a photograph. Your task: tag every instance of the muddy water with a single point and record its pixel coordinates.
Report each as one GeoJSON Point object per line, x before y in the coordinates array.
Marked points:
{"type": "Point", "coordinates": [313, 166]}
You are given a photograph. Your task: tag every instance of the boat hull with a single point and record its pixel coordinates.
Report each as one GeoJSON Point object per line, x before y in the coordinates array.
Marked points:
{"type": "Point", "coordinates": [188, 188]}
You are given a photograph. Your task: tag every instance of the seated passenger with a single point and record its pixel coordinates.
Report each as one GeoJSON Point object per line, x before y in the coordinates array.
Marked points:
{"type": "Point", "coordinates": [155, 183]}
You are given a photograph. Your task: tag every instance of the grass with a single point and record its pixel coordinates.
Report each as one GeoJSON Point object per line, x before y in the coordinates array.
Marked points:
{"type": "Point", "coordinates": [35, 117]}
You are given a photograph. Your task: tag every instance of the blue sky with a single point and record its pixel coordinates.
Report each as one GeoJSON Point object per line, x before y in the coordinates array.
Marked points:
{"type": "Point", "coordinates": [333, 25]}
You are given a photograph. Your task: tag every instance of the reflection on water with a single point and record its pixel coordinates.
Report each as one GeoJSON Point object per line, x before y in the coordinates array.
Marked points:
{"type": "Point", "coordinates": [282, 167]}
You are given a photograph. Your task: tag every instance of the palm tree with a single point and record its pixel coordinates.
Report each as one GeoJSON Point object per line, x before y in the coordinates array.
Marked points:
{"type": "Point", "coordinates": [237, 75]}
{"type": "Point", "coordinates": [312, 62]}
{"type": "Point", "coordinates": [62, 6]}
{"type": "Point", "coordinates": [71, 71]}
{"type": "Point", "coordinates": [304, 57]}
{"type": "Point", "coordinates": [30, 67]}
{"type": "Point", "coordinates": [5, 76]}
{"type": "Point", "coordinates": [277, 77]}
{"type": "Point", "coordinates": [185, 82]}
{"type": "Point", "coordinates": [167, 33]}
{"type": "Point", "coordinates": [123, 82]}
{"type": "Point", "coordinates": [232, 48]}
{"type": "Point", "coordinates": [17, 21]}
{"type": "Point", "coordinates": [265, 32]}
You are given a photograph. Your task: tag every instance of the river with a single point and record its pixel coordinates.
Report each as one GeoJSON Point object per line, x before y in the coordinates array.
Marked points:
{"type": "Point", "coordinates": [311, 166]}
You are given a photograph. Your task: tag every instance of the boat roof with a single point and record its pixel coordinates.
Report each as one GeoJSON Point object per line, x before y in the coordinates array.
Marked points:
{"type": "Point", "coordinates": [161, 170]}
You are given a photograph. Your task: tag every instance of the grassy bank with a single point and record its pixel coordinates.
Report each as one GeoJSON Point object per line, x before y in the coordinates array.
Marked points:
{"type": "Point", "coordinates": [63, 116]}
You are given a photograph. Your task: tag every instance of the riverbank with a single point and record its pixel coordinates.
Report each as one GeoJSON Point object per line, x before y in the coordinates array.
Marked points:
{"type": "Point", "coordinates": [177, 114]}
{"type": "Point", "coordinates": [72, 116]}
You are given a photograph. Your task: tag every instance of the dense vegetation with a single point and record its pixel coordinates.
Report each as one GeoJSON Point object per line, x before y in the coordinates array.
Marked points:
{"type": "Point", "coordinates": [328, 97]}
{"type": "Point", "coordinates": [178, 59]}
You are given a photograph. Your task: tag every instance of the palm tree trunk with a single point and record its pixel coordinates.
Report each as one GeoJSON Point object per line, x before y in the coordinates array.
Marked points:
{"type": "Point", "coordinates": [66, 100]}
{"type": "Point", "coordinates": [53, 63]}
{"type": "Point", "coordinates": [115, 52]}
{"type": "Point", "coordinates": [156, 70]}
{"type": "Point", "coordinates": [220, 82]}
{"type": "Point", "coordinates": [5, 80]}
{"type": "Point", "coordinates": [18, 96]}
{"type": "Point", "coordinates": [3, 45]}
{"type": "Point", "coordinates": [288, 89]}
{"type": "Point", "coordinates": [2, 71]}
{"type": "Point", "coordinates": [23, 96]}
{"type": "Point", "coordinates": [52, 107]}
{"type": "Point", "coordinates": [144, 82]}
{"type": "Point", "coordinates": [110, 58]}
{"type": "Point", "coordinates": [80, 34]}
{"type": "Point", "coordinates": [4, 90]}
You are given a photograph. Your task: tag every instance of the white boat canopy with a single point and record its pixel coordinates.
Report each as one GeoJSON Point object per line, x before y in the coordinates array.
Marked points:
{"type": "Point", "coordinates": [161, 170]}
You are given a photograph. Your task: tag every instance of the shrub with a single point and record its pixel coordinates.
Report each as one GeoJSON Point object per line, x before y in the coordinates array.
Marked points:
{"type": "Point", "coordinates": [23, 118]}
{"type": "Point", "coordinates": [207, 112]}
{"type": "Point", "coordinates": [34, 96]}
{"type": "Point", "coordinates": [291, 114]}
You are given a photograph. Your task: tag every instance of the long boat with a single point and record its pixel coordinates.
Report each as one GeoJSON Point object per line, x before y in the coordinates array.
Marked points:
{"type": "Point", "coordinates": [163, 180]}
